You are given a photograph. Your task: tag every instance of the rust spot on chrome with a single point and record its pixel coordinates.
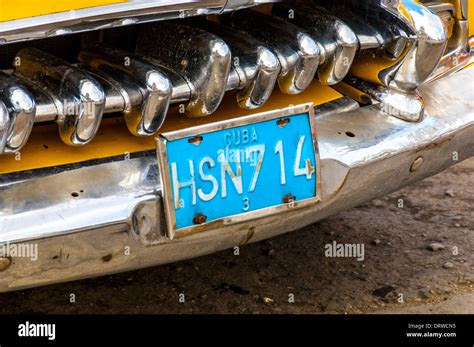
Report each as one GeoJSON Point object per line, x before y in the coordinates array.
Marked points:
{"type": "Point", "coordinates": [107, 258]}
{"type": "Point", "coordinates": [215, 224]}
{"type": "Point", "coordinates": [247, 237]}
{"type": "Point", "coordinates": [59, 256]}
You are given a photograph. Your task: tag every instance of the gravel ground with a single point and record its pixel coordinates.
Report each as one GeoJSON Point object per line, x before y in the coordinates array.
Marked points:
{"type": "Point", "coordinates": [418, 253]}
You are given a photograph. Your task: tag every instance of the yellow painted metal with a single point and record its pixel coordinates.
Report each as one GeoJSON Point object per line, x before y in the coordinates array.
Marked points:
{"type": "Point", "coordinates": [470, 14]}
{"type": "Point", "coordinates": [45, 149]}
{"type": "Point", "coordinates": [369, 64]}
{"type": "Point", "coordinates": [354, 93]}
{"type": "Point", "coordinates": [18, 9]}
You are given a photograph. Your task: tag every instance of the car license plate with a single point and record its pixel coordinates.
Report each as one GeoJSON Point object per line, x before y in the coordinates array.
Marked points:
{"type": "Point", "coordinates": [240, 169]}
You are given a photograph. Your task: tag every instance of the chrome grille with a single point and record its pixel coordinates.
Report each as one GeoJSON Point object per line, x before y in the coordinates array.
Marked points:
{"type": "Point", "coordinates": [195, 61]}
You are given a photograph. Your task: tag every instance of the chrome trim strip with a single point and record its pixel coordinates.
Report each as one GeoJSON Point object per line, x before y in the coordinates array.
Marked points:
{"type": "Point", "coordinates": [112, 16]}
{"type": "Point", "coordinates": [74, 234]}
{"type": "Point", "coordinates": [341, 105]}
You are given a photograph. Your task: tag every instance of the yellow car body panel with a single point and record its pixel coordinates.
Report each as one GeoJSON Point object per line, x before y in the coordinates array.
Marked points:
{"type": "Point", "coordinates": [20, 9]}
{"type": "Point", "coordinates": [470, 12]}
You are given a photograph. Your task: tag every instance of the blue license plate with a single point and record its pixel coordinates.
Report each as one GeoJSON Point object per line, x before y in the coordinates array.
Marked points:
{"type": "Point", "coordinates": [240, 169]}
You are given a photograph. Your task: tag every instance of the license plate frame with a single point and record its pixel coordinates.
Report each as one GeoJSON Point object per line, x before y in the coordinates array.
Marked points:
{"type": "Point", "coordinates": [165, 172]}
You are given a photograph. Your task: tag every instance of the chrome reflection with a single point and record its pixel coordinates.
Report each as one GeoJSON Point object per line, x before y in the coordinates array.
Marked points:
{"type": "Point", "coordinates": [338, 43]}
{"type": "Point", "coordinates": [297, 52]}
{"type": "Point", "coordinates": [202, 59]}
{"type": "Point", "coordinates": [255, 65]}
{"type": "Point", "coordinates": [145, 89]}
{"type": "Point", "coordinates": [406, 106]}
{"type": "Point", "coordinates": [17, 114]}
{"type": "Point", "coordinates": [431, 42]}
{"type": "Point", "coordinates": [79, 99]}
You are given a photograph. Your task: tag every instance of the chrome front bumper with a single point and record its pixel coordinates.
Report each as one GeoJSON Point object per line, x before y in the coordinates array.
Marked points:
{"type": "Point", "coordinates": [110, 217]}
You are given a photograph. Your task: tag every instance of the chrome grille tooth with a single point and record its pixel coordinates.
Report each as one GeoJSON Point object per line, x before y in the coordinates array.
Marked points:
{"type": "Point", "coordinates": [255, 68]}
{"type": "Point", "coordinates": [414, 40]}
{"type": "Point", "coordinates": [114, 99]}
{"type": "Point", "coordinates": [45, 107]}
{"type": "Point", "coordinates": [373, 25]}
{"type": "Point", "coordinates": [4, 126]}
{"type": "Point", "coordinates": [79, 99]}
{"type": "Point", "coordinates": [146, 90]}
{"type": "Point", "coordinates": [297, 52]}
{"type": "Point", "coordinates": [339, 43]}
{"type": "Point", "coordinates": [367, 35]}
{"type": "Point", "coordinates": [17, 114]}
{"type": "Point", "coordinates": [428, 49]}
{"type": "Point", "coordinates": [201, 58]}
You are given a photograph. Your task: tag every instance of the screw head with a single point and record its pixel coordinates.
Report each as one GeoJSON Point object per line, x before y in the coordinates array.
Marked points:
{"type": "Point", "coordinates": [288, 198]}
{"type": "Point", "coordinates": [199, 218]}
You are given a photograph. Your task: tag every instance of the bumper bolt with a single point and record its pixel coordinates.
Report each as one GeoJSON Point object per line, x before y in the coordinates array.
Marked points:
{"type": "Point", "coordinates": [199, 218]}
{"type": "Point", "coordinates": [5, 263]}
{"type": "Point", "coordinates": [288, 198]}
{"type": "Point", "coordinates": [416, 164]}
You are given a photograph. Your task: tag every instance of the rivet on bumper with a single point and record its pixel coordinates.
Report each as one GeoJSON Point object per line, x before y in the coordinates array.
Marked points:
{"type": "Point", "coordinates": [5, 263]}
{"type": "Point", "coordinates": [416, 164]}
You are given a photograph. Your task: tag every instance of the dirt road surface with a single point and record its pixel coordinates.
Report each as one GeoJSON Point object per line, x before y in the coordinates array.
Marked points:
{"type": "Point", "coordinates": [418, 257]}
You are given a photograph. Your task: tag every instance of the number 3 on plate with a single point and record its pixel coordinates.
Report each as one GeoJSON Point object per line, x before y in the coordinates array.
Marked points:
{"type": "Point", "coordinates": [246, 204]}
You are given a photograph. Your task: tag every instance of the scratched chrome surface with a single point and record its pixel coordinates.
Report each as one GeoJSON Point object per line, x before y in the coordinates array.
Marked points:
{"type": "Point", "coordinates": [121, 205]}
